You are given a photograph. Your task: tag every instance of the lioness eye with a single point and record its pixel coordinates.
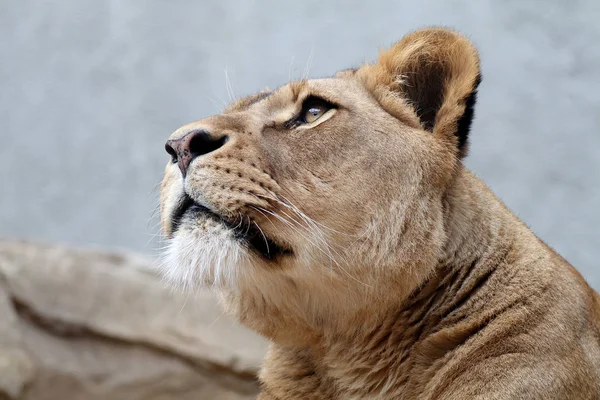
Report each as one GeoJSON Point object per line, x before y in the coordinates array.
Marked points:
{"type": "Point", "coordinates": [313, 114]}
{"type": "Point", "coordinates": [313, 108]}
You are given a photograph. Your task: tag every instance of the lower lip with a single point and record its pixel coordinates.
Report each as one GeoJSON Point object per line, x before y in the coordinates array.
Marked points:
{"type": "Point", "coordinates": [197, 209]}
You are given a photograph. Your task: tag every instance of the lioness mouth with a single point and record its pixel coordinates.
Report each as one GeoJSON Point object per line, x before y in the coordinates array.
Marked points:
{"type": "Point", "coordinates": [246, 230]}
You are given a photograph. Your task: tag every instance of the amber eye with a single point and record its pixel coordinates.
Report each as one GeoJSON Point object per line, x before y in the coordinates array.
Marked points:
{"type": "Point", "coordinates": [313, 108]}
{"type": "Point", "coordinates": [314, 113]}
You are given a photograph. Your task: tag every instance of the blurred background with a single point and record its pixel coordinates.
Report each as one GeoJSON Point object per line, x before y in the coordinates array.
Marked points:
{"type": "Point", "coordinates": [90, 91]}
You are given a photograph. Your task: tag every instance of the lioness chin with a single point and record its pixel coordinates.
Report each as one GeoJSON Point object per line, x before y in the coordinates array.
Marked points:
{"type": "Point", "coordinates": [335, 217]}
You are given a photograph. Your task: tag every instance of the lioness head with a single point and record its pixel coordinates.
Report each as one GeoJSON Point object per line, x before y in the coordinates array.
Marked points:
{"type": "Point", "coordinates": [323, 197]}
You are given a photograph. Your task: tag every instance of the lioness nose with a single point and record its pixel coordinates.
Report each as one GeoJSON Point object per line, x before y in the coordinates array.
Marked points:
{"type": "Point", "coordinates": [191, 145]}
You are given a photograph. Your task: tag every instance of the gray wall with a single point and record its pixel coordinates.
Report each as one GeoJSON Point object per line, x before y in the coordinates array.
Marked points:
{"type": "Point", "coordinates": [90, 90]}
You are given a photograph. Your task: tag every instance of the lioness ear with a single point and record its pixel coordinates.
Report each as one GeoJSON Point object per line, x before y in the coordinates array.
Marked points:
{"type": "Point", "coordinates": [437, 72]}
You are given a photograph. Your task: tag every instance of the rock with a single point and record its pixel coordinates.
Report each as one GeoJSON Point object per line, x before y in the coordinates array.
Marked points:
{"type": "Point", "coordinates": [91, 325]}
{"type": "Point", "coordinates": [16, 367]}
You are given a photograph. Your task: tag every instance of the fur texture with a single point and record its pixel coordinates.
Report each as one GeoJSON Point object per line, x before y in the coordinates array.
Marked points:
{"type": "Point", "coordinates": [398, 274]}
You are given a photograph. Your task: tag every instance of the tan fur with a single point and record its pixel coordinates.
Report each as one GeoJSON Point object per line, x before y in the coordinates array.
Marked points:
{"type": "Point", "coordinates": [408, 278]}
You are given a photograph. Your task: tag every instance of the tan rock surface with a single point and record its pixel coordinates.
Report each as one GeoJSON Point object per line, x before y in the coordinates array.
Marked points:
{"type": "Point", "coordinates": [83, 325]}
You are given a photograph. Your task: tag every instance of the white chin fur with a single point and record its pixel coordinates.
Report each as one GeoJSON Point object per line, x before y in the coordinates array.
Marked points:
{"type": "Point", "coordinates": [204, 256]}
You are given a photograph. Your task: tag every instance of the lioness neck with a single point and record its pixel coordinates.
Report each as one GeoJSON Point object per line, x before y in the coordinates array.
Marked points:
{"type": "Point", "coordinates": [481, 234]}
{"type": "Point", "coordinates": [408, 337]}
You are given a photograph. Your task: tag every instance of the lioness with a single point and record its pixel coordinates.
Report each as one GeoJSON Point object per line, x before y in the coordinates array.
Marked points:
{"type": "Point", "coordinates": [335, 217]}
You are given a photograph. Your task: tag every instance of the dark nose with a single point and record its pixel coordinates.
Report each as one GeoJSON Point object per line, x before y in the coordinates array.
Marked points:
{"type": "Point", "coordinates": [191, 145]}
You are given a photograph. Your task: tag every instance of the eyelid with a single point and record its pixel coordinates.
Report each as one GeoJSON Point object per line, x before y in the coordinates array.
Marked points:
{"type": "Point", "coordinates": [308, 101]}
{"type": "Point", "coordinates": [312, 99]}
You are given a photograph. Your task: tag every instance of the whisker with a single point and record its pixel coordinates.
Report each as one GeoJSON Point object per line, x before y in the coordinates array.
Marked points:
{"type": "Point", "coordinates": [290, 68]}
{"type": "Point", "coordinates": [220, 105]}
{"type": "Point", "coordinates": [290, 204]}
{"type": "Point", "coordinates": [228, 85]}
{"type": "Point", "coordinates": [218, 318]}
{"type": "Point", "coordinates": [318, 235]}
{"type": "Point", "coordinates": [302, 214]}
{"type": "Point", "coordinates": [308, 63]}
{"type": "Point", "coordinates": [263, 235]}
{"type": "Point", "coordinates": [241, 217]}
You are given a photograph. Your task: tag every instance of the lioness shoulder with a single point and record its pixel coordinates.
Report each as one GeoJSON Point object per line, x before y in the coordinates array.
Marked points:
{"type": "Point", "coordinates": [335, 217]}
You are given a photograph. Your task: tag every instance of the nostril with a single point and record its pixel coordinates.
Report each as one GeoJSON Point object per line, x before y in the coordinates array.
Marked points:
{"type": "Point", "coordinates": [171, 152]}
{"type": "Point", "coordinates": [191, 145]}
{"type": "Point", "coordinates": [204, 143]}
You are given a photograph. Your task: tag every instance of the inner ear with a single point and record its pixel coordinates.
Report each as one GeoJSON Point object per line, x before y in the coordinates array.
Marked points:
{"type": "Point", "coordinates": [437, 72]}
{"type": "Point", "coordinates": [423, 86]}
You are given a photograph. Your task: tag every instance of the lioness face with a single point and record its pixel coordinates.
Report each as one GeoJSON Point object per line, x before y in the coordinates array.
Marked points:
{"type": "Point", "coordinates": [316, 189]}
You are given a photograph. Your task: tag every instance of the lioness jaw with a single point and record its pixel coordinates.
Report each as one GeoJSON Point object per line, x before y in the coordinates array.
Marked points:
{"type": "Point", "coordinates": [335, 217]}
